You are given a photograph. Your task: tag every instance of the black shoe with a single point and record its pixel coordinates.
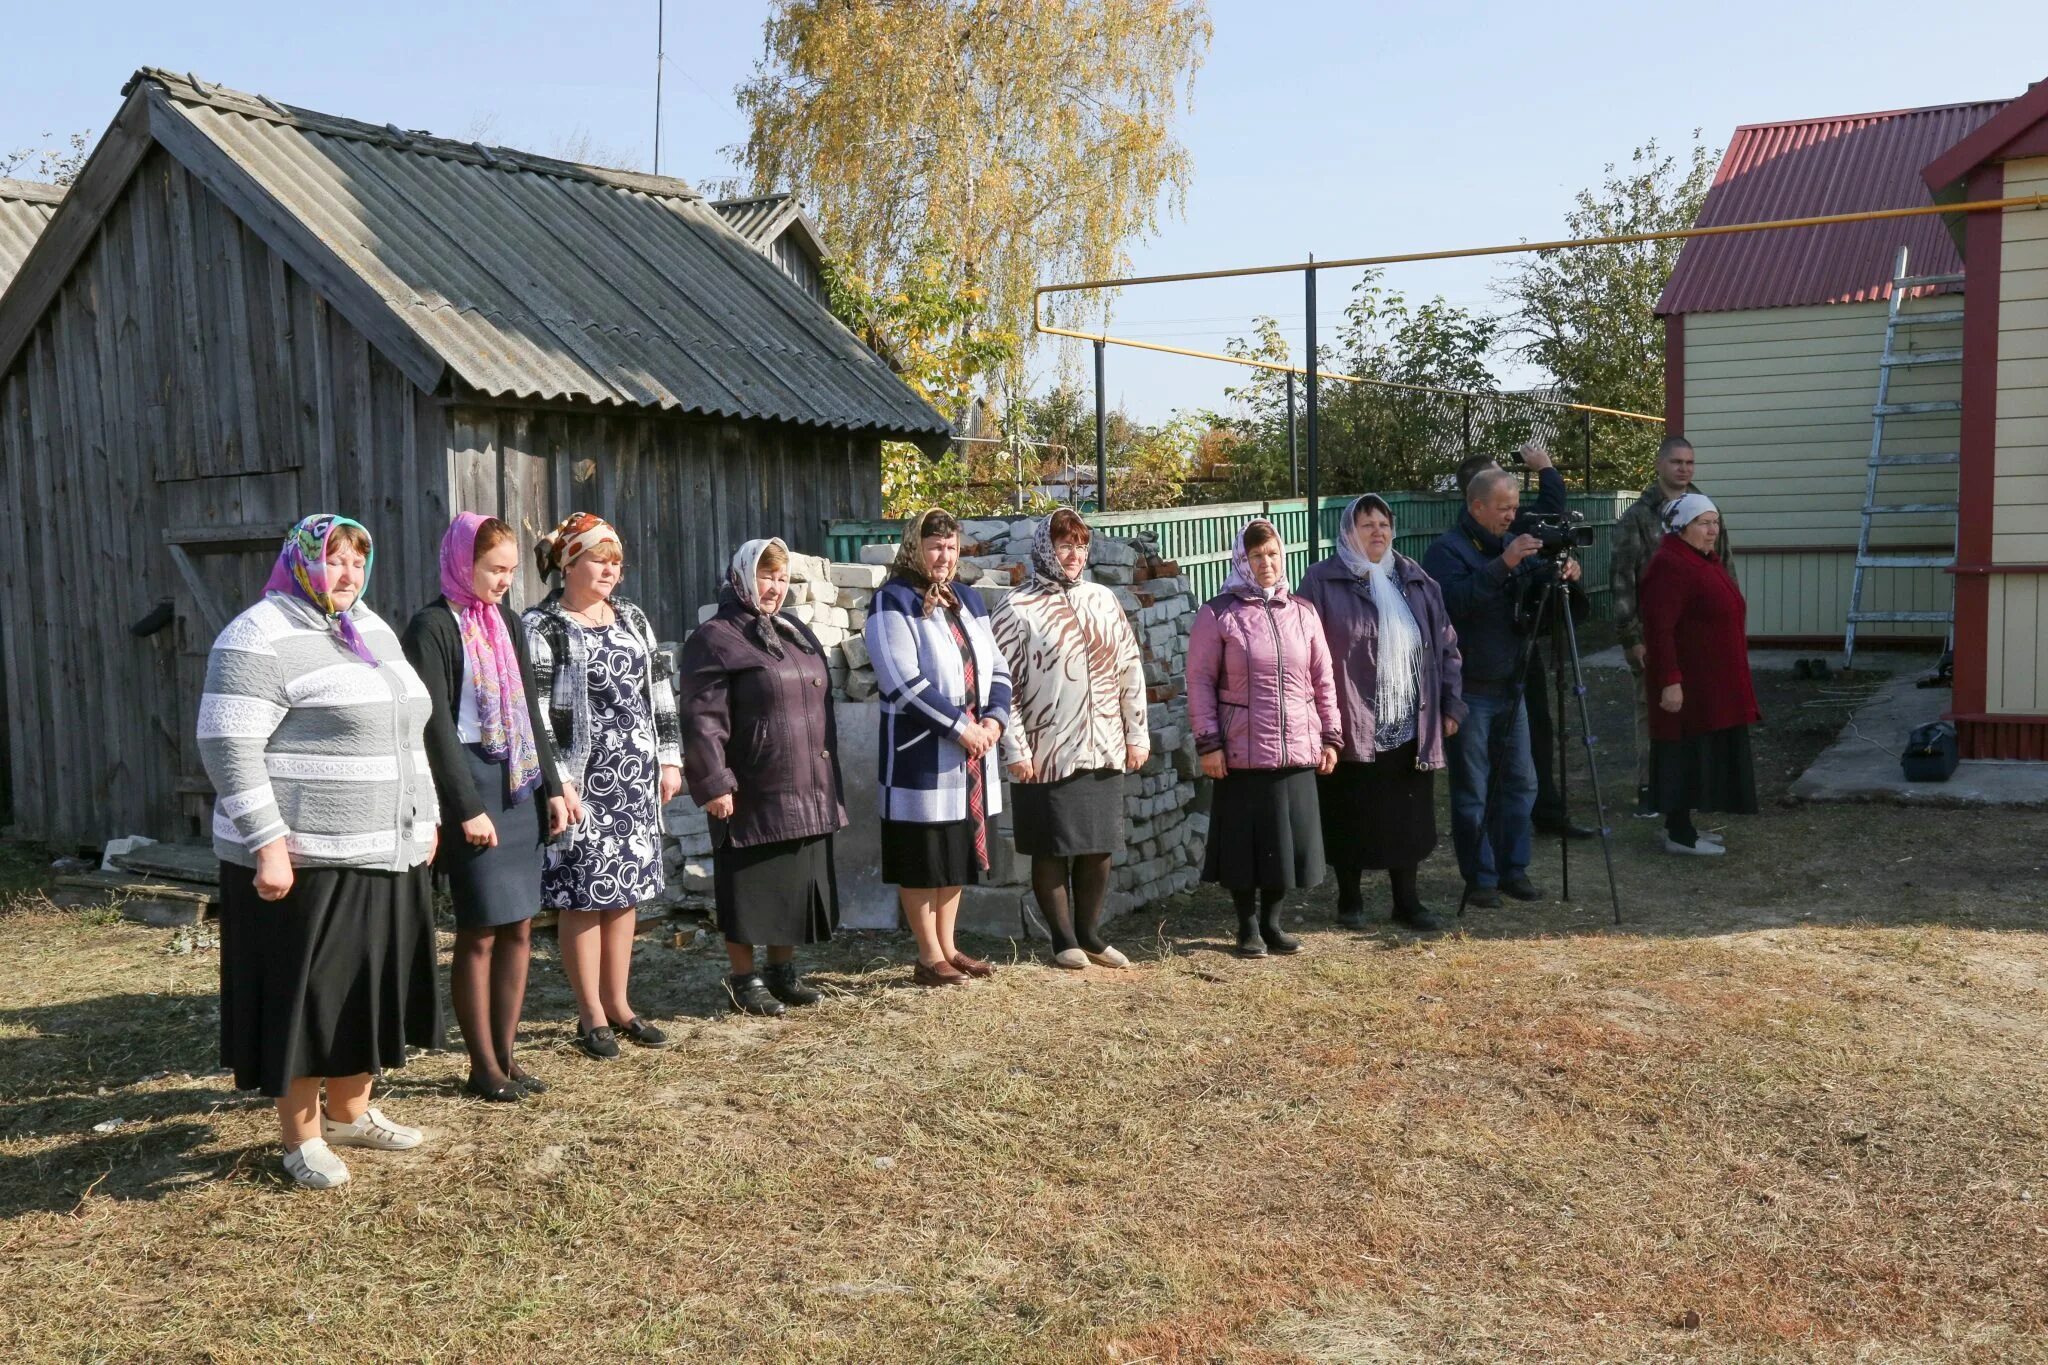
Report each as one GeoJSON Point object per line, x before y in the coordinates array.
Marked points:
{"type": "Point", "coordinates": [785, 985]}
{"type": "Point", "coordinates": [494, 1094]}
{"type": "Point", "coordinates": [1522, 889]}
{"type": "Point", "coordinates": [1569, 830]}
{"type": "Point", "coordinates": [527, 1082]}
{"type": "Point", "coordinates": [1351, 914]}
{"type": "Point", "coordinates": [1481, 898]}
{"type": "Point", "coordinates": [750, 995]}
{"type": "Point", "coordinates": [646, 1035]}
{"type": "Point", "coordinates": [1277, 940]}
{"type": "Point", "coordinates": [598, 1042]}
{"type": "Point", "coordinates": [1419, 918]}
{"type": "Point", "coordinates": [1646, 805]}
{"type": "Point", "coordinates": [1250, 943]}
{"type": "Point", "coordinates": [1802, 669]}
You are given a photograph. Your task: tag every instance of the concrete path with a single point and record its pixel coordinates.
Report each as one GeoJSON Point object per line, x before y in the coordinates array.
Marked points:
{"type": "Point", "coordinates": [1863, 764]}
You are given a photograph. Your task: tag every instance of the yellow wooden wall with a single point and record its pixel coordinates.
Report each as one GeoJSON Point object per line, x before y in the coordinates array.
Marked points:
{"type": "Point", "coordinates": [2017, 676]}
{"type": "Point", "coordinates": [1777, 404]}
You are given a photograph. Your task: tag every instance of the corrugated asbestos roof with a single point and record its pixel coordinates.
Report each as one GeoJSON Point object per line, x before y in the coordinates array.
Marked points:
{"type": "Point", "coordinates": [541, 279]}
{"type": "Point", "coordinates": [25, 208]}
{"type": "Point", "coordinates": [757, 220]}
{"type": "Point", "coordinates": [1808, 168]}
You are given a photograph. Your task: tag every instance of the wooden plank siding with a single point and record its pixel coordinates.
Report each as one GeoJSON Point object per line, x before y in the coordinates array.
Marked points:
{"type": "Point", "coordinates": [1777, 403]}
{"type": "Point", "coordinates": [683, 492]}
{"type": "Point", "coordinates": [2016, 639]}
{"type": "Point", "coordinates": [183, 377]}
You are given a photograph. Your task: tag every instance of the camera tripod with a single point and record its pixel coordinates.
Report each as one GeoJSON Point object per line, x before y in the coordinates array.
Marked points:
{"type": "Point", "coordinates": [1564, 635]}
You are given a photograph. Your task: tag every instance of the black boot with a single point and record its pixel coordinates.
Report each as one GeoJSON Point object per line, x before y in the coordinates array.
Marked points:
{"type": "Point", "coordinates": [1409, 911]}
{"type": "Point", "coordinates": [1350, 900]}
{"type": "Point", "coordinates": [785, 985]}
{"type": "Point", "coordinates": [1277, 940]}
{"type": "Point", "coordinates": [750, 995]}
{"type": "Point", "coordinates": [1250, 943]}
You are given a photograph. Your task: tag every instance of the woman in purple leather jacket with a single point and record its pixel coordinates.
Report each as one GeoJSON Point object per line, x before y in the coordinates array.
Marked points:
{"type": "Point", "coordinates": [1263, 701]}
{"type": "Point", "coordinates": [1398, 674]}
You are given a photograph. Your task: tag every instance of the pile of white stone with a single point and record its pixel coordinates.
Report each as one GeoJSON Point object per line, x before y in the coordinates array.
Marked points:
{"type": "Point", "coordinates": [1165, 834]}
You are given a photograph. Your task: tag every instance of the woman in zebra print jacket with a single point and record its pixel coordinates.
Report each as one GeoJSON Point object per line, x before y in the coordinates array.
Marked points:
{"type": "Point", "coordinates": [1077, 726]}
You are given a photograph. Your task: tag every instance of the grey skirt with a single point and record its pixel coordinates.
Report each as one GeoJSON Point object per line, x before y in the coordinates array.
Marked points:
{"type": "Point", "coordinates": [1070, 818]}
{"type": "Point", "coordinates": [493, 886]}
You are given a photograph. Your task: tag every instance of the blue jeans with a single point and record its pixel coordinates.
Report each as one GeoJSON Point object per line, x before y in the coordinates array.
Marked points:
{"type": "Point", "coordinates": [1492, 743]}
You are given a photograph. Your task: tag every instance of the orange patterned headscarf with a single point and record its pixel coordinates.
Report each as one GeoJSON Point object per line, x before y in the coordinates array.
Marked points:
{"type": "Point", "coordinates": [577, 536]}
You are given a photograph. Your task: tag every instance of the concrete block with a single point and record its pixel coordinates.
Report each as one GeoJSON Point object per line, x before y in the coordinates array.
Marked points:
{"type": "Point", "coordinates": [823, 593]}
{"type": "Point", "coordinates": [861, 686]}
{"type": "Point", "coordinates": [854, 649]}
{"type": "Point", "coordinates": [695, 876]}
{"type": "Point", "coordinates": [984, 530]}
{"type": "Point", "coordinates": [1108, 550]}
{"type": "Point", "coordinates": [853, 599]}
{"type": "Point", "coordinates": [878, 554]}
{"type": "Point", "coordinates": [1022, 533]}
{"type": "Point", "coordinates": [1115, 575]}
{"type": "Point", "coordinates": [869, 576]}
{"type": "Point", "coordinates": [993, 911]}
{"type": "Point", "coordinates": [969, 572]}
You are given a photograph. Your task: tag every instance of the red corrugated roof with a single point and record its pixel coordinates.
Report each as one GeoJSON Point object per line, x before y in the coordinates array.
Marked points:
{"type": "Point", "coordinates": [1811, 167]}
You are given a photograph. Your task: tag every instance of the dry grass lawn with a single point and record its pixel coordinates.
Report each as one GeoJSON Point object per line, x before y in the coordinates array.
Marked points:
{"type": "Point", "coordinates": [1793, 1110]}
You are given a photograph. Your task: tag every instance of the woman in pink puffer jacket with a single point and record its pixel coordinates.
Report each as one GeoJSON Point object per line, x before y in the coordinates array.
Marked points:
{"type": "Point", "coordinates": [1262, 697]}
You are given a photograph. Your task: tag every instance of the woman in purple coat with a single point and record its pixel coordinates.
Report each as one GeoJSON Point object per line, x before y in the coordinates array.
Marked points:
{"type": "Point", "coordinates": [1263, 703]}
{"type": "Point", "coordinates": [1398, 670]}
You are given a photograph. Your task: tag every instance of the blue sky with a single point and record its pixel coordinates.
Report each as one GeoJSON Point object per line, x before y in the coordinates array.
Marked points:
{"type": "Point", "coordinates": [1341, 129]}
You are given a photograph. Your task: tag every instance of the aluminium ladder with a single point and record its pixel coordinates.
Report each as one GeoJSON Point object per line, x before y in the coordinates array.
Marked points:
{"type": "Point", "coordinates": [1897, 357]}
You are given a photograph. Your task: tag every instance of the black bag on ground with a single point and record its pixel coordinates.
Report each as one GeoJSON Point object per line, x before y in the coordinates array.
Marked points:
{"type": "Point", "coordinates": [1931, 754]}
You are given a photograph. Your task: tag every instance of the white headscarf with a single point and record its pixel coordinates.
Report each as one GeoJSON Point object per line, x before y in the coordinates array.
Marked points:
{"type": "Point", "coordinates": [741, 578]}
{"type": "Point", "coordinates": [1241, 575]}
{"type": "Point", "coordinates": [1686, 508]}
{"type": "Point", "coordinates": [1400, 639]}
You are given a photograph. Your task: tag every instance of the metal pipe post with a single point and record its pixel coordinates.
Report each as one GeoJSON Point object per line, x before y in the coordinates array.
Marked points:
{"type": "Point", "coordinates": [1314, 482]}
{"type": "Point", "coordinates": [1293, 451]}
{"type": "Point", "coordinates": [1101, 438]}
{"type": "Point", "coordinates": [1586, 443]}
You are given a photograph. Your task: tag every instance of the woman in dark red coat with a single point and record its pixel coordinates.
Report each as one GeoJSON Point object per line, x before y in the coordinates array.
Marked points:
{"type": "Point", "coordinates": [1697, 675]}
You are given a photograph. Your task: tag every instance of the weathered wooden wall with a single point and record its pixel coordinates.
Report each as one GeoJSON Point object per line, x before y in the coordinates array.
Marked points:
{"type": "Point", "coordinates": [684, 492]}
{"type": "Point", "coordinates": [188, 394]}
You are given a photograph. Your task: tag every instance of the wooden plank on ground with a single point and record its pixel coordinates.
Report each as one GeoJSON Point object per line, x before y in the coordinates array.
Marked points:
{"type": "Point", "coordinates": [178, 862]}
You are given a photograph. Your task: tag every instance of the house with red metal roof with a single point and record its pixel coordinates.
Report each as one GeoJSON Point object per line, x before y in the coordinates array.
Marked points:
{"type": "Point", "coordinates": [2001, 570]}
{"type": "Point", "coordinates": [1772, 344]}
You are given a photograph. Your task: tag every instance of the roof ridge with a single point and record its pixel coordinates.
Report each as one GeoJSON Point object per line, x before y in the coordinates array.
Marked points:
{"type": "Point", "coordinates": [190, 89]}
{"type": "Point", "coordinates": [1872, 114]}
{"type": "Point", "coordinates": [773, 197]}
{"type": "Point", "coordinates": [31, 191]}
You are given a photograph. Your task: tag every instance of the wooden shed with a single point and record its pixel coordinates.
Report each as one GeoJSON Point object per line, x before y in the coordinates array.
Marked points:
{"type": "Point", "coordinates": [2001, 572]}
{"type": "Point", "coordinates": [244, 311]}
{"type": "Point", "coordinates": [1772, 344]}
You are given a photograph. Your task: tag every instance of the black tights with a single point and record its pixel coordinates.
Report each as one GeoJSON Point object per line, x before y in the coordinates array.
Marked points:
{"type": "Point", "coordinates": [1075, 927]}
{"type": "Point", "coordinates": [489, 980]}
{"type": "Point", "coordinates": [1263, 901]}
{"type": "Point", "coordinates": [1351, 897]}
{"type": "Point", "coordinates": [1679, 827]}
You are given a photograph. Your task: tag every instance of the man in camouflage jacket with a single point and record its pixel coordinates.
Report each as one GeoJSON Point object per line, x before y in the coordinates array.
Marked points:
{"type": "Point", "coordinates": [1636, 534]}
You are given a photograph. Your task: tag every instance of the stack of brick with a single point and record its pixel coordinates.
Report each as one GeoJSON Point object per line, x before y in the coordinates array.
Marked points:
{"type": "Point", "coordinates": [1165, 834]}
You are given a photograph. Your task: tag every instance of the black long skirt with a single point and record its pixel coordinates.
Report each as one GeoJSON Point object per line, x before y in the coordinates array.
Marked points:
{"type": "Point", "coordinates": [1265, 831]}
{"type": "Point", "coordinates": [778, 894]}
{"type": "Point", "coordinates": [1070, 818]}
{"type": "Point", "coordinates": [492, 887]}
{"type": "Point", "coordinates": [929, 857]}
{"type": "Point", "coordinates": [1380, 814]}
{"type": "Point", "coordinates": [336, 979]}
{"type": "Point", "coordinates": [1710, 772]}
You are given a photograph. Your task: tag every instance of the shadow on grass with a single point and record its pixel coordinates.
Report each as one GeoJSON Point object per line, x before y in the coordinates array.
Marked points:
{"type": "Point", "coordinates": [107, 1041]}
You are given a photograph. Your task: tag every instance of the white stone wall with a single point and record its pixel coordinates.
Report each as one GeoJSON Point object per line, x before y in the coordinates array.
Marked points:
{"type": "Point", "coordinates": [1165, 834]}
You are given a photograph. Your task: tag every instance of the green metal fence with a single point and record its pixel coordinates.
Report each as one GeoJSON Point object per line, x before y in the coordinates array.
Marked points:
{"type": "Point", "coordinates": [1199, 538]}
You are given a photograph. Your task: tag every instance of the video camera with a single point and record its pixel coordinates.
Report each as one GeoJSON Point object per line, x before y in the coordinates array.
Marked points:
{"type": "Point", "coordinates": [1559, 532]}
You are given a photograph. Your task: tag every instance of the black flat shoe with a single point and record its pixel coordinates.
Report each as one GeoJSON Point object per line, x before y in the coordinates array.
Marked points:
{"type": "Point", "coordinates": [646, 1035]}
{"type": "Point", "coordinates": [1566, 828]}
{"type": "Point", "coordinates": [1419, 919]}
{"type": "Point", "coordinates": [598, 1042]}
{"type": "Point", "coordinates": [529, 1083]}
{"type": "Point", "coordinates": [1480, 898]}
{"type": "Point", "coordinates": [1522, 889]}
{"type": "Point", "coordinates": [750, 995]}
{"type": "Point", "coordinates": [1250, 942]}
{"type": "Point", "coordinates": [494, 1094]}
{"type": "Point", "coordinates": [785, 985]}
{"type": "Point", "coordinates": [1351, 916]}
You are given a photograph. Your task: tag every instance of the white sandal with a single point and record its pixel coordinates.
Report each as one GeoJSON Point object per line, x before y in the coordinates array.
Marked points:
{"type": "Point", "coordinates": [314, 1165]}
{"type": "Point", "coordinates": [1073, 959]}
{"type": "Point", "coordinates": [1108, 957]}
{"type": "Point", "coordinates": [371, 1130]}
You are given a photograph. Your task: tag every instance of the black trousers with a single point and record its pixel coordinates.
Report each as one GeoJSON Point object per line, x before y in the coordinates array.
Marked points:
{"type": "Point", "coordinates": [1550, 808]}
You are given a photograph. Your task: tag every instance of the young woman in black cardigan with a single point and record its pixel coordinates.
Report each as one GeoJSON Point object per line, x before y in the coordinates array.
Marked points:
{"type": "Point", "coordinates": [490, 756]}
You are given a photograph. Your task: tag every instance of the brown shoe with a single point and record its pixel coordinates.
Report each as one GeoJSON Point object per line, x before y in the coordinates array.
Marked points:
{"type": "Point", "coordinates": [973, 966]}
{"type": "Point", "coordinates": [938, 974]}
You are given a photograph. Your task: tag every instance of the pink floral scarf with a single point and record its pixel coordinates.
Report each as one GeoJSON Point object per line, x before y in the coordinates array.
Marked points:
{"type": "Point", "coordinates": [504, 727]}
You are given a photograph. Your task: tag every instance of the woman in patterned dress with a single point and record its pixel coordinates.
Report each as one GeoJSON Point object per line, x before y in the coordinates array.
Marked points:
{"type": "Point", "coordinates": [612, 713]}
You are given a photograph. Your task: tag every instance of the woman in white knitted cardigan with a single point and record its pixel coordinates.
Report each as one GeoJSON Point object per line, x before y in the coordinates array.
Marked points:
{"type": "Point", "coordinates": [1077, 726]}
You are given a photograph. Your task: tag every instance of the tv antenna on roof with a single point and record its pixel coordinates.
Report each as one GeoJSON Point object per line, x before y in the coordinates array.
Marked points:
{"type": "Point", "coordinates": [660, 25]}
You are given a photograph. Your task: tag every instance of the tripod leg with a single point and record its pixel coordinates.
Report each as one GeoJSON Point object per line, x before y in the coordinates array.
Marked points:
{"type": "Point", "coordinates": [1592, 762]}
{"type": "Point", "coordinates": [1563, 776]}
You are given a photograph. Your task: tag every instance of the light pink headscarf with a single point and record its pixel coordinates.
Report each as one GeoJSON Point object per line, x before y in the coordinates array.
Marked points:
{"type": "Point", "coordinates": [505, 730]}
